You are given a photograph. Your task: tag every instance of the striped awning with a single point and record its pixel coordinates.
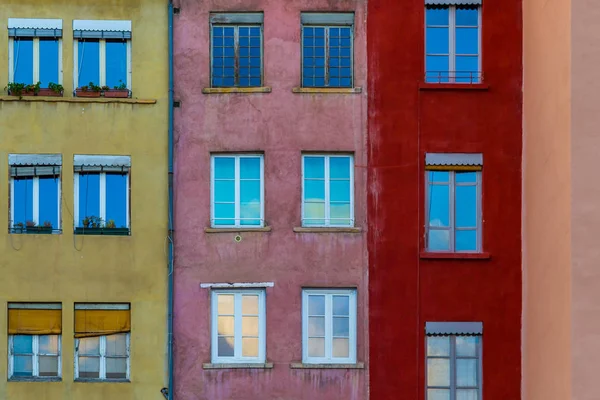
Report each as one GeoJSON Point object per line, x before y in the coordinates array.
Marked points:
{"type": "Point", "coordinates": [454, 159]}
{"type": "Point", "coordinates": [101, 29]}
{"type": "Point", "coordinates": [454, 328]}
{"type": "Point", "coordinates": [101, 163]}
{"type": "Point", "coordinates": [26, 165]}
{"type": "Point", "coordinates": [453, 2]}
{"type": "Point", "coordinates": [30, 27]}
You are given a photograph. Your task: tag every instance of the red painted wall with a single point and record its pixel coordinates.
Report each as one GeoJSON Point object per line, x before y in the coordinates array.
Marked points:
{"type": "Point", "coordinates": [405, 123]}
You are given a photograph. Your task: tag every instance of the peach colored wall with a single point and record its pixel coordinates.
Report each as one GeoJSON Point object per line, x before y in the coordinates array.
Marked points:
{"type": "Point", "coordinates": [546, 201]}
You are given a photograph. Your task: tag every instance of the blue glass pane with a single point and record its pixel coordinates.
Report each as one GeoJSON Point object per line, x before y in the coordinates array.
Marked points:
{"type": "Point", "coordinates": [437, 41]}
{"type": "Point", "coordinates": [224, 168]}
{"type": "Point", "coordinates": [314, 190]}
{"type": "Point", "coordinates": [116, 63]}
{"type": "Point", "coordinates": [23, 60]}
{"type": "Point", "coordinates": [438, 240]}
{"type": "Point", "coordinates": [467, 41]}
{"type": "Point", "coordinates": [116, 199]}
{"type": "Point", "coordinates": [437, 68]}
{"type": "Point", "coordinates": [23, 366]}
{"type": "Point", "coordinates": [250, 168]}
{"type": "Point", "coordinates": [89, 196]}
{"type": "Point", "coordinates": [466, 240]}
{"type": "Point", "coordinates": [250, 214]}
{"type": "Point", "coordinates": [314, 213]}
{"type": "Point", "coordinates": [88, 53]}
{"type": "Point", "coordinates": [224, 191]}
{"type": "Point", "coordinates": [436, 16]}
{"type": "Point", "coordinates": [466, 206]}
{"type": "Point", "coordinates": [339, 167]}
{"type": "Point", "coordinates": [249, 47]}
{"type": "Point", "coordinates": [438, 176]}
{"type": "Point", "coordinates": [467, 68]}
{"type": "Point", "coordinates": [49, 201]}
{"type": "Point", "coordinates": [439, 205]}
{"type": "Point", "coordinates": [339, 190]}
{"type": "Point", "coordinates": [465, 177]}
{"type": "Point", "coordinates": [223, 212]}
{"type": "Point", "coordinates": [467, 17]}
{"type": "Point", "coordinates": [223, 56]}
{"type": "Point", "coordinates": [23, 201]}
{"type": "Point", "coordinates": [340, 213]}
{"type": "Point", "coordinates": [250, 191]}
{"type": "Point", "coordinates": [22, 344]}
{"type": "Point", "coordinates": [314, 167]}
{"type": "Point", "coordinates": [48, 61]}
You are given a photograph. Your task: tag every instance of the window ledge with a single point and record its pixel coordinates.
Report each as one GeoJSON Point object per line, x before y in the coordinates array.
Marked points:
{"type": "Point", "coordinates": [50, 99]}
{"type": "Point", "coordinates": [103, 231]}
{"type": "Point", "coordinates": [35, 379]}
{"type": "Point", "coordinates": [238, 366]}
{"type": "Point", "coordinates": [327, 366]}
{"type": "Point", "coordinates": [454, 256]}
{"type": "Point", "coordinates": [94, 380]}
{"type": "Point", "coordinates": [235, 230]}
{"type": "Point", "coordinates": [309, 90]}
{"type": "Point", "coordinates": [327, 230]}
{"type": "Point", "coordinates": [453, 86]}
{"type": "Point", "coordinates": [228, 90]}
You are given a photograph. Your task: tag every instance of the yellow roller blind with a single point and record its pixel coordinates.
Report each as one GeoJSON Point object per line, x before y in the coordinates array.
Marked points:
{"type": "Point", "coordinates": [89, 323]}
{"type": "Point", "coordinates": [34, 322]}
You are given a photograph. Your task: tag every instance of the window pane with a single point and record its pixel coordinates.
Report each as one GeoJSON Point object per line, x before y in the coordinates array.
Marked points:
{"type": "Point", "coordinates": [225, 325]}
{"type": "Point", "coordinates": [437, 41]}
{"type": "Point", "coordinates": [23, 60]}
{"type": "Point", "coordinates": [225, 346]}
{"type": "Point", "coordinates": [89, 346]}
{"type": "Point", "coordinates": [339, 167]}
{"type": "Point", "coordinates": [224, 168]}
{"type": "Point", "coordinates": [339, 190]}
{"type": "Point", "coordinates": [225, 191]}
{"type": "Point", "coordinates": [467, 41]}
{"type": "Point", "coordinates": [48, 61]}
{"type": "Point", "coordinates": [250, 347]}
{"type": "Point", "coordinates": [341, 326]}
{"type": "Point", "coordinates": [23, 201]}
{"type": "Point", "coordinates": [438, 240]}
{"type": "Point", "coordinates": [467, 17]}
{"type": "Point", "coordinates": [249, 50]}
{"type": "Point", "coordinates": [314, 190]}
{"type": "Point", "coordinates": [465, 177]}
{"type": "Point", "coordinates": [89, 367]}
{"type": "Point", "coordinates": [223, 56]}
{"type": "Point", "coordinates": [466, 346]}
{"type": "Point", "coordinates": [89, 196]}
{"type": "Point", "coordinates": [340, 214]}
{"type": "Point", "coordinates": [466, 240]}
{"type": "Point", "coordinates": [316, 326]}
{"type": "Point", "coordinates": [49, 201]}
{"type": "Point", "coordinates": [48, 366]}
{"type": "Point", "coordinates": [467, 394]}
{"type": "Point", "coordinates": [316, 305]}
{"type": "Point", "coordinates": [466, 206]}
{"type": "Point", "coordinates": [224, 214]}
{"type": "Point", "coordinates": [467, 67]}
{"type": "Point", "coordinates": [438, 176]}
{"type": "Point", "coordinates": [437, 68]}
{"type": "Point", "coordinates": [23, 344]}
{"type": "Point", "coordinates": [316, 347]}
{"type": "Point", "coordinates": [314, 167]}
{"type": "Point", "coordinates": [438, 346]}
{"type": "Point", "coordinates": [48, 344]}
{"type": "Point", "coordinates": [438, 372]}
{"type": "Point", "coordinates": [466, 372]}
{"type": "Point", "coordinates": [23, 366]}
{"type": "Point", "coordinates": [116, 368]}
{"type": "Point", "coordinates": [88, 53]}
{"type": "Point", "coordinates": [116, 199]}
{"type": "Point", "coordinates": [436, 16]}
{"type": "Point", "coordinates": [439, 205]}
{"type": "Point", "coordinates": [116, 63]}
{"type": "Point", "coordinates": [438, 394]}
{"type": "Point", "coordinates": [225, 304]}
{"type": "Point", "coordinates": [341, 305]}
{"type": "Point", "coordinates": [116, 345]}
{"type": "Point", "coordinates": [249, 168]}
{"type": "Point", "coordinates": [314, 214]}
{"type": "Point", "coordinates": [249, 191]}
{"type": "Point", "coordinates": [249, 326]}
{"type": "Point", "coordinates": [341, 348]}
{"type": "Point", "coordinates": [250, 214]}
{"type": "Point", "coordinates": [250, 304]}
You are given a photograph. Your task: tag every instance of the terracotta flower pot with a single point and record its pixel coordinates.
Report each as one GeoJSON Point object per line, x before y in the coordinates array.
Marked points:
{"type": "Point", "coordinates": [87, 93]}
{"type": "Point", "coordinates": [49, 93]}
{"type": "Point", "coordinates": [117, 93]}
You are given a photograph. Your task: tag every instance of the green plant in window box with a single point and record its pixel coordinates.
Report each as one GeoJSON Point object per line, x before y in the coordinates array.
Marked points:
{"type": "Point", "coordinates": [53, 90]}
{"type": "Point", "coordinates": [32, 227]}
{"type": "Point", "coordinates": [89, 90]}
{"type": "Point", "coordinates": [119, 91]}
{"type": "Point", "coordinates": [92, 225]}
{"type": "Point", "coordinates": [22, 89]}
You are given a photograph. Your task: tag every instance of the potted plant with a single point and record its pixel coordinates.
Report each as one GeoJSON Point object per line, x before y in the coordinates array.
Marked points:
{"type": "Point", "coordinates": [89, 90]}
{"type": "Point", "coordinates": [22, 89]}
{"type": "Point", "coordinates": [18, 227]}
{"type": "Point", "coordinates": [90, 225]}
{"type": "Point", "coordinates": [32, 227]}
{"type": "Point", "coordinates": [53, 90]}
{"type": "Point", "coordinates": [119, 91]}
{"type": "Point", "coordinates": [111, 229]}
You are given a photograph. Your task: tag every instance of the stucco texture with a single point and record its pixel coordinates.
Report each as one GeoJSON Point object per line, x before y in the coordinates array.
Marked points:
{"type": "Point", "coordinates": [281, 124]}
{"type": "Point", "coordinates": [66, 268]}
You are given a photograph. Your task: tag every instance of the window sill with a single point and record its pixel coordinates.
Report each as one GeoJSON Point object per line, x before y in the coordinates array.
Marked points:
{"type": "Point", "coordinates": [327, 230]}
{"type": "Point", "coordinates": [103, 231]}
{"type": "Point", "coordinates": [51, 99]}
{"type": "Point", "coordinates": [454, 256]}
{"type": "Point", "coordinates": [453, 86]}
{"type": "Point", "coordinates": [94, 380]}
{"type": "Point", "coordinates": [229, 90]}
{"type": "Point", "coordinates": [327, 366]}
{"type": "Point", "coordinates": [235, 230]}
{"type": "Point", "coordinates": [35, 379]}
{"type": "Point", "coordinates": [311, 90]}
{"type": "Point", "coordinates": [37, 232]}
{"type": "Point", "coordinates": [238, 366]}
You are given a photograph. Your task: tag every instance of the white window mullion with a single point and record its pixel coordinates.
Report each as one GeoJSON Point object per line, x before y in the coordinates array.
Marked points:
{"type": "Point", "coordinates": [328, 327]}
{"type": "Point", "coordinates": [102, 60]}
{"type": "Point", "coordinates": [102, 357]}
{"type": "Point", "coordinates": [11, 62]}
{"type": "Point", "coordinates": [36, 200]}
{"type": "Point", "coordinates": [76, 198]}
{"type": "Point", "coordinates": [127, 352]}
{"type": "Point", "coordinates": [12, 202]}
{"type": "Point", "coordinates": [237, 189]}
{"type": "Point", "coordinates": [327, 193]}
{"type": "Point", "coordinates": [36, 349]}
{"type": "Point", "coordinates": [75, 64]}
{"type": "Point", "coordinates": [60, 64]}
{"type": "Point", "coordinates": [103, 196]}
{"type": "Point", "coordinates": [262, 191]}
{"type": "Point", "coordinates": [351, 175]}
{"type": "Point", "coordinates": [127, 200]}
{"type": "Point", "coordinates": [479, 217]}
{"type": "Point", "coordinates": [452, 209]}
{"type": "Point", "coordinates": [237, 326]}
{"type": "Point", "coordinates": [58, 203]}
{"type": "Point", "coordinates": [452, 43]}
{"type": "Point", "coordinates": [128, 64]}
{"type": "Point", "coordinates": [36, 60]}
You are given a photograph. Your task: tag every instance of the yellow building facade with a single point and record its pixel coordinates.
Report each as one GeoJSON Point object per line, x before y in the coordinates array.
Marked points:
{"type": "Point", "coordinates": [92, 271]}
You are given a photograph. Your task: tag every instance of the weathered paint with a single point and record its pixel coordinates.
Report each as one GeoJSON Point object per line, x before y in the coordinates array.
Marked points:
{"type": "Point", "coordinates": [67, 269]}
{"type": "Point", "coordinates": [282, 124]}
{"type": "Point", "coordinates": [405, 123]}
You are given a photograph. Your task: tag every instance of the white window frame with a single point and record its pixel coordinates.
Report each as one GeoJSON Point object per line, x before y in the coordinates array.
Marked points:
{"type": "Point", "coordinates": [262, 318]}
{"type": "Point", "coordinates": [452, 47]}
{"type": "Point", "coordinates": [36, 60]}
{"type": "Point", "coordinates": [35, 201]}
{"type": "Point", "coordinates": [102, 61]}
{"type": "Point", "coordinates": [102, 193]}
{"type": "Point", "coordinates": [35, 339]}
{"type": "Point", "coordinates": [237, 190]}
{"type": "Point", "coordinates": [102, 358]}
{"type": "Point", "coordinates": [327, 218]}
{"type": "Point", "coordinates": [451, 229]}
{"type": "Point", "coordinates": [329, 359]}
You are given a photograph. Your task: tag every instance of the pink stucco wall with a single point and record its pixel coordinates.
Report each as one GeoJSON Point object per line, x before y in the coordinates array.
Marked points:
{"type": "Point", "coordinates": [281, 124]}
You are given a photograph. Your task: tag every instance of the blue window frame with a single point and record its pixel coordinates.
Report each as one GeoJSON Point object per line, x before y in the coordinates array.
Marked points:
{"type": "Point", "coordinates": [102, 198]}
{"type": "Point", "coordinates": [237, 191]}
{"type": "Point", "coordinates": [327, 190]}
{"type": "Point", "coordinates": [35, 59]}
{"type": "Point", "coordinates": [104, 62]}
{"type": "Point", "coordinates": [236, 55]}
{"type": "Point", "coordinates": [327, 56]}
{"type": "Point", "coordinates": [452, 44]}
{"type": "Point", "coordinates": [453, 211]}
